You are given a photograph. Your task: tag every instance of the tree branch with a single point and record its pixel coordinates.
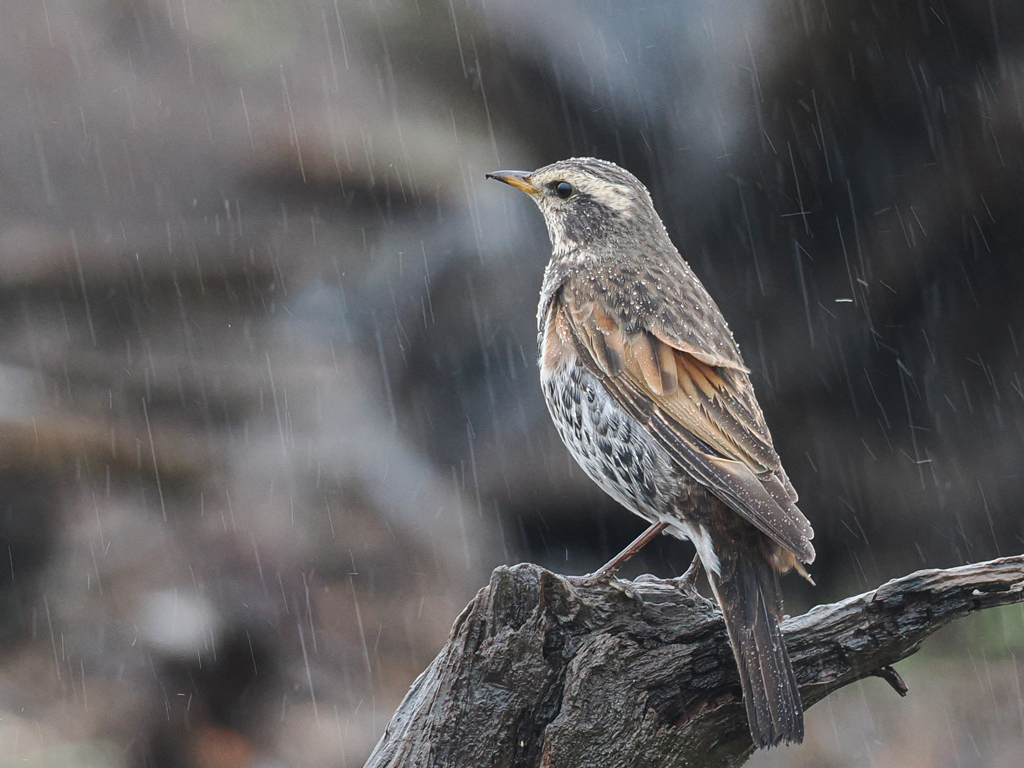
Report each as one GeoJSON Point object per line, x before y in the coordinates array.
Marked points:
{"type": "Point", "coordinates": [541, 671]}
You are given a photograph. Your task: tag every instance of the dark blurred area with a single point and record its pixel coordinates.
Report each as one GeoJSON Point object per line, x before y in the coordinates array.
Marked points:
{"type": "Point", "coordinates": [269, 410]}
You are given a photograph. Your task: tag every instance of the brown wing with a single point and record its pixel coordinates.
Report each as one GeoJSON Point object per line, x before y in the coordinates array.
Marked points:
{"type": "Point", "coordinates": [705, 415]}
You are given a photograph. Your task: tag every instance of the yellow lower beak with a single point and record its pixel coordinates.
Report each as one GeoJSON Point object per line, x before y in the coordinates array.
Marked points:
{"type": "Point", "coordinates": [518, 179]}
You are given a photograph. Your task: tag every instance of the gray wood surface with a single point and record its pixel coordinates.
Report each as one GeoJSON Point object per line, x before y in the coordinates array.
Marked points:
{"type": "Point", "coordinates": [541, 671]}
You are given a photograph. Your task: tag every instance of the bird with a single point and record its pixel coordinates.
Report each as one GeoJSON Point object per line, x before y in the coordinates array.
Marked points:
{"type": "Point", "coordinates": [649, 392]}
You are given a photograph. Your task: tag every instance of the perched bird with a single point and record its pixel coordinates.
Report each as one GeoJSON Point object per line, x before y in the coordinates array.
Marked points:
{"type": "Point", "coordinates": [648, 390]}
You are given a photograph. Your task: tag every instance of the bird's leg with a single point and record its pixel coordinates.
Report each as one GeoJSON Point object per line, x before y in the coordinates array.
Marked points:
{"type": "Point", "coordinates": [609, 569]}
{"type": "Point", "coordinates": [687, 583]}
{"type": "Point", "coordinates": [688, 580]}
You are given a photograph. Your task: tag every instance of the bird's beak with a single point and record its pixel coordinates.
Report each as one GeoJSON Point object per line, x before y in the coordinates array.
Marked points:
{"type": "Point", "coordinates": [518, 179]}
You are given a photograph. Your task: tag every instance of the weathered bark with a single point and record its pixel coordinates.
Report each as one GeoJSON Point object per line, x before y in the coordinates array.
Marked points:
{"type": "Point", "coordinates": [540, 671]}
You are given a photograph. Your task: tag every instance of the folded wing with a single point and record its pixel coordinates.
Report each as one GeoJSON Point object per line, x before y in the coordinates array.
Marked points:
{"type": "Point", "coordinates": [703, 410]}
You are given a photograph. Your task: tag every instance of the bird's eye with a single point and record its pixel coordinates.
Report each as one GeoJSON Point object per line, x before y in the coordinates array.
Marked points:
{"type": "Point", "coordinates": [563, 189]}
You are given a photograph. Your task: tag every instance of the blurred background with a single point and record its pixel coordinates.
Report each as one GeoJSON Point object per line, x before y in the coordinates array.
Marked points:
{"type": "Point", "coordinates": [269, 410]}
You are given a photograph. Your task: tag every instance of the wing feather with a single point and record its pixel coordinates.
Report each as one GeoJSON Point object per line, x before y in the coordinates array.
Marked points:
{"type": "Point", "coordinates": [645, 360]}
{"type": "Point", "coordinates": [703, 411]}
{"type": "Point", "coordinates": [669, 368]}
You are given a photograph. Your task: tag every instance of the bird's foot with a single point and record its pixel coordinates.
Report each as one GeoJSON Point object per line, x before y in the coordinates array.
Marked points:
{"type": "Point", "coordinates": [687, 582]}
{"type": "Point", "coordinates": [600, 576]}
{"type": "Point", "coordinates": [606, 576]}
{"type": "Point", "coordinates": [688, 579]}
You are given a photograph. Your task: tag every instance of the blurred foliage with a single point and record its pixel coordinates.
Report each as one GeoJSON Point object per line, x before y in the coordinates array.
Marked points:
{"type": "Point", "coordinates": [992, 634]}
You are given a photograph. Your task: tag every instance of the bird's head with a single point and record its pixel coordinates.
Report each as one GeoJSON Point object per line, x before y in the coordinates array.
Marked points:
{"type": "Point", "coordinates": [585, 201]}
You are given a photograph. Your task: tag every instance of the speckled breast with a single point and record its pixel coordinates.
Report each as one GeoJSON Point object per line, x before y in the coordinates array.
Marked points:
{"type": "Point", "coordinates": [611, 447]}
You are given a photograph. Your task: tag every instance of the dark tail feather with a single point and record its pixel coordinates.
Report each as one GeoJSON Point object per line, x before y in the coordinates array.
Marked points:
{"type": "Point", "coordinates": [750, 596]}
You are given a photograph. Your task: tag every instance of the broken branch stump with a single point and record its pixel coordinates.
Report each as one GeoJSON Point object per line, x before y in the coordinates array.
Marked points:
{"type": "Point", "coordinates": [541, 671]}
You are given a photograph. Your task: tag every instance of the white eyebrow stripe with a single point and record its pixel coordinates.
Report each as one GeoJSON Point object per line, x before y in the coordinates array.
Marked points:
{"type": "Point", "coordinates": [615, 196]}
{"type": "Point", "coordinates": [618, 197]}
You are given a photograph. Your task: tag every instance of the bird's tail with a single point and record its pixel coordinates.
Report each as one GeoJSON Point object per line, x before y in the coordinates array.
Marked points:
{"type": "Point", "coordinates": [749, 593]}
